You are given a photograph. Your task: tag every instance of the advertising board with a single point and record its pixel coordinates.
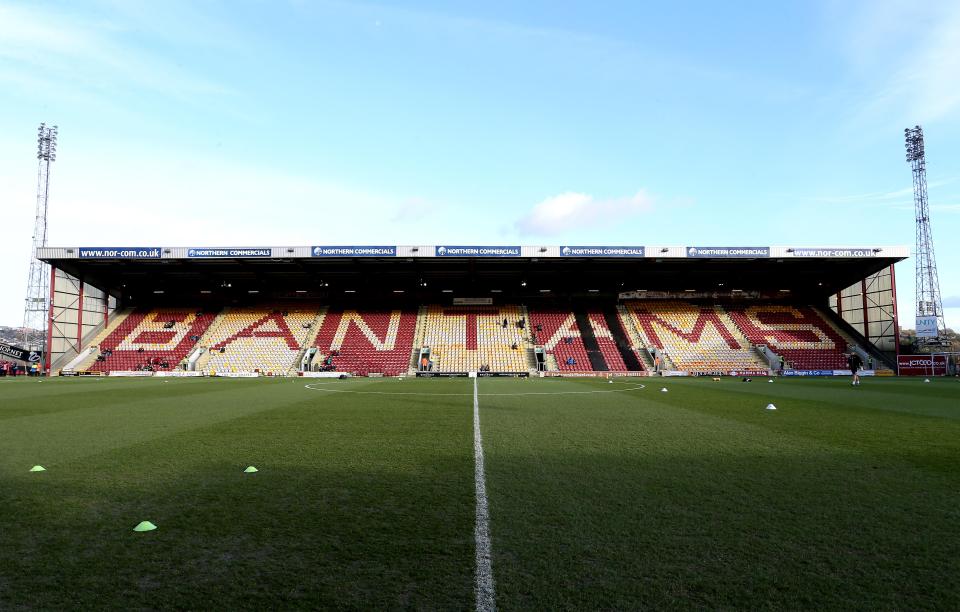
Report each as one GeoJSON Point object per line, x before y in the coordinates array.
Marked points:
{"type": "Point", "coordinates": [353, 251]}
{"type": "Point", "coordinates": [922, 365]}
{"type": "Point", "coordinates": [15, 352]}
{"type": "Point", "coordinates": [601, 251]}
{"type": "Point", "coordinates": [727, 252]}
{"type": "Point", "coordinates": [214, 253]}
{"type": "Point", "coordinates": [927, 327]}
{"type": "Point", "coordinates": [119, 252]}
{"type": "Point", "coordinates": [477, 251]}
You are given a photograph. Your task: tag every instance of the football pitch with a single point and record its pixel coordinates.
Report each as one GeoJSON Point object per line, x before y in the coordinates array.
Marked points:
{"type": "Point", "coordinates": [599, 495]}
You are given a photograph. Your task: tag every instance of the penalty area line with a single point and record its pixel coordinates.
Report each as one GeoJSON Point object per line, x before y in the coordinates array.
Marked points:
{"type": "Point", "coordinates": [486, 601]}
{"type": "Point", "coordinates": [324, 387]}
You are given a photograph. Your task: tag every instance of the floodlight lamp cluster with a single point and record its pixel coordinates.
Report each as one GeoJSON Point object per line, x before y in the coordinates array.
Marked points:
{"type": "Point", "coordinates": [913, 138]}
{"type": "Point", "coordinates": [47, 142]}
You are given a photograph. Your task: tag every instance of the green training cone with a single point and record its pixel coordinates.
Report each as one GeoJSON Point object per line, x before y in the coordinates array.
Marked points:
{"type": "Point", "coordinates": [250, 470]}
{"type": "Point", "coordinates": [145, 526]}
{"type": "Point", "coordinates": [38, 468]}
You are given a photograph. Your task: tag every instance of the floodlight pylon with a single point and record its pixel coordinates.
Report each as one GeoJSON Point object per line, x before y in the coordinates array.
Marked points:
{"type": "Point", "coordinates": [36, 306]}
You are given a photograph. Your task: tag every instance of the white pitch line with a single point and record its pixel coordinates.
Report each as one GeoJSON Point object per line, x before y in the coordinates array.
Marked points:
{"type": "Point", "coordinates": [316, 387]}
{"type": "Point", "coordinates": [486, 601]}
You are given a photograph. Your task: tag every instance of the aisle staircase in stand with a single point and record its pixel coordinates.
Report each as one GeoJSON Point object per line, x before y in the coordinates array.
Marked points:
{"type": "Point", "coordinates": [597, 362]}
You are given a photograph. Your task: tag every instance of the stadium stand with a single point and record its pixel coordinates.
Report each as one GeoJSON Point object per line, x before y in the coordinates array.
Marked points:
{"type": "Point", "coordinates": [259, 339]}
{"type": "Point", "coordinates": [695, 338]}
{"type": "Point", "coordinates": [400, 304]}
{"type": "Point", "coordinates": [366, 341]}
{"type": "Point", "coordinates": [806, 339]}
{"type": "Point", "coordinates": [272, 339]}
{"type": "Point", "coordinates": [157, 339]}
{"type": "Point", "coordinates": [464, 338]}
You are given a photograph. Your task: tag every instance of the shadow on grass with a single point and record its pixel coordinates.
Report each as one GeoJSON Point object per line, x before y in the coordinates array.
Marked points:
{"type": "Point", "coordinates": [227, 540]}
{"type": "Point", "coordinates": [578, 530]}
{"type": "Point", "coordinates": [95, 393]}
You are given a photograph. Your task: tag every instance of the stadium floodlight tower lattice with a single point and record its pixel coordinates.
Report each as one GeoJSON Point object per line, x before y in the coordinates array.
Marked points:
{"type": "Point", "coordinates": [930, 323]}
{"type": "Point", "coordinates": [35, 310]}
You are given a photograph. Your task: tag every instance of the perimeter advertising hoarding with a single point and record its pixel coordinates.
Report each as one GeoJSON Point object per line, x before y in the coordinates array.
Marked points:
{"type": "Point", "coordinates": [353, 251]}
{"type": "Point", "coordinates": [725, 252]}
{"type": "Point", "coordinates": [927, 327]}
{"type": "Point", "coordinates": [477, 251]}
{"type": "Point", "coordinates": [177, 374]}
{"type": "Point", "coordinates": [229, 252]}
{"type": "Point", "coordinates": [22, 354]}
{"type": "Point", "coordinates": [130, 373]}
{"type": "Point", "coordinates": [119, 252]}
{"type": "Point", "coordinates": [568, 374]}
{"type": "Point", "coordinates": [601, 251]}
{"type": "Point", "coordinates": [325, 374]}
{"type": "Point", "coordinates": [922, 365]}
{"type": "Point", "coordinates": [807, 373]}
{"type": "Point", "coordinates": [827, 373]}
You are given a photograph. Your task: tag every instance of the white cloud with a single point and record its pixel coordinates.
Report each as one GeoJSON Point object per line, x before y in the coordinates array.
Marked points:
{"type": "Point", "coordinates": [915, 53]}
{"type": "Point", "coordinates": [869, 197]}
{"type": "Point", "coordinates": [945, 207]}
{"type": "Point", "coordinates": [71, 54]}
{"type": "Point", "coordinates": [931, 75]}
{"type": "Point", "coordinates": [572, 210]}
{"type": "Point", "coordinates": [898, 199]}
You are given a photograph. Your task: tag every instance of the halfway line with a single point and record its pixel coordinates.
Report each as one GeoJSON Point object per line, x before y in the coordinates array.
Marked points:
{"type": "Point", "coordinates": [484, 576]}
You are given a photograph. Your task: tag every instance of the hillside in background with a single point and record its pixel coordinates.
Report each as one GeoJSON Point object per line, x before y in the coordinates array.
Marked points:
{"type": "Point", "coordinates": [10, 335]}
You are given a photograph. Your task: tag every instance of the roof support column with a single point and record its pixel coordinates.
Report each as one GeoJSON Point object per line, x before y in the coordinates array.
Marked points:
{"type": "Point", "coordinates": [46, 356]}
{"type": "Point", "coordinates": [863, 302]}
{"type": "Point", "coordinates": [80, 317]}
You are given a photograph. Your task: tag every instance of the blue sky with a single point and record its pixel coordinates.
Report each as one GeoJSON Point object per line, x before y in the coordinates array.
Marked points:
{"type": "Point", "coordinates": [258, 123]}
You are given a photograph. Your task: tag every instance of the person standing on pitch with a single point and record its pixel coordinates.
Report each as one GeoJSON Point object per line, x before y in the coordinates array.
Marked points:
{"type": "Point", "coordinates": [854, 363]}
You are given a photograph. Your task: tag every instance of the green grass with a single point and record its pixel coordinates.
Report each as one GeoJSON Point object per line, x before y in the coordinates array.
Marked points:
{"type": "Point", "coordinates": [697, 498]}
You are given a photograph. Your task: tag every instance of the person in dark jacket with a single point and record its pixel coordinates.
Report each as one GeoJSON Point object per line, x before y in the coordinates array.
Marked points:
{"type": "Point", "coordinates": [855, 363]}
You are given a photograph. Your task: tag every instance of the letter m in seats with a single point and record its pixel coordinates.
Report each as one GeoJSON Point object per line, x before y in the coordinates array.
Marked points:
{"type": "Point", "coordinates": [651, 322]}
